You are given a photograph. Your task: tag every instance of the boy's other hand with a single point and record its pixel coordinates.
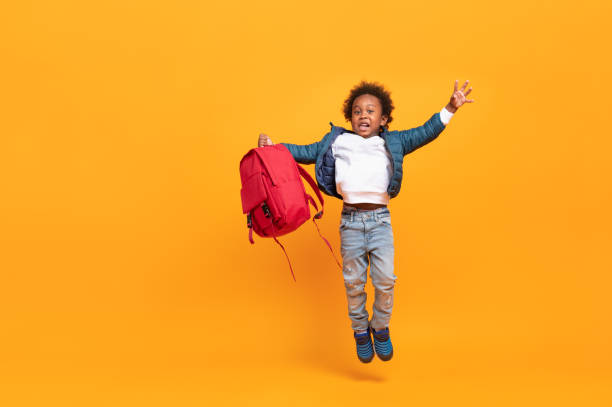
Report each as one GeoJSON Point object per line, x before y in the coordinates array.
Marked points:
{"type": "Point", "coordinates": [264, 140]}
{"type": "Point", "coordinates": [458, 98]}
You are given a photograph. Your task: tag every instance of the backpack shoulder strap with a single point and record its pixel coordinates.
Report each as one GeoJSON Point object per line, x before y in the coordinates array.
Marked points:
{"type": "Point", "coordinates": [314, 187]}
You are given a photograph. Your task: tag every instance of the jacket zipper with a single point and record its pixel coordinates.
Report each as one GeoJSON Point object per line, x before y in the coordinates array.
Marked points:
{"type": "Point", "coordinates": [329, 148]}
{"type": "Point", "coordinates": [392, 161]}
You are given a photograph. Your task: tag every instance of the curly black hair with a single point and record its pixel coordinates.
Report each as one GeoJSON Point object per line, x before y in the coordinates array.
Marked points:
{"type": "Point", "coordinates": [369, 88]}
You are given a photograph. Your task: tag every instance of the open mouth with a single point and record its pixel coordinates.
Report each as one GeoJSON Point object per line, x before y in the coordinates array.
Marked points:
{"type": "Point", "coordinates": [364, 126]}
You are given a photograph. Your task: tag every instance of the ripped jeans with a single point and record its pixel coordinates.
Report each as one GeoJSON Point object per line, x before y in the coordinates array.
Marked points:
{"type": "Point", "coordinates": [366, 237]}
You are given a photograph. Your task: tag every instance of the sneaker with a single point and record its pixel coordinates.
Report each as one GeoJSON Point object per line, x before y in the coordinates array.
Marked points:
{"type": "Point", "coordinates": [365, 352]}
{"type": "Point", "coordinates": [382, 344]}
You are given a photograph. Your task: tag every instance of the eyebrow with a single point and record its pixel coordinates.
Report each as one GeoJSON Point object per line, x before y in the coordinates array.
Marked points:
{"type": "Point", "coordinates": [372, 105]}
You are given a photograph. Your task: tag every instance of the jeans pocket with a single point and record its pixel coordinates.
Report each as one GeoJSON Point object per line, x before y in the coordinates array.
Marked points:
{"type": "Point", "coordinates": [343, 224]}
{"type": "Point", "coordinates": [385, 220]}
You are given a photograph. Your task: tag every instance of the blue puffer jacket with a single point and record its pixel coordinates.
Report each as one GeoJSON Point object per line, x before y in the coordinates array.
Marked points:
{"type": "Point", "coordinates": [398, 143]}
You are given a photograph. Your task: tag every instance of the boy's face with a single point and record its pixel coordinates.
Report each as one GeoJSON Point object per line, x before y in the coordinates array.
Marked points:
{"type": "Point", "coordinates": [367, 116]}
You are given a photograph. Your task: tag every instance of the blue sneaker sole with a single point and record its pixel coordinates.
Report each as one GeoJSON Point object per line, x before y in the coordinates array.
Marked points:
{"type": "Point", "coordinates": [385, 358]}
{"type": "Point", "coordinates": [365, 360]}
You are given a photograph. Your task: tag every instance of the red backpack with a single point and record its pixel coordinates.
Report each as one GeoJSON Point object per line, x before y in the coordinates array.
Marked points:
{"type": "Point", "coordinates": [273, 195]}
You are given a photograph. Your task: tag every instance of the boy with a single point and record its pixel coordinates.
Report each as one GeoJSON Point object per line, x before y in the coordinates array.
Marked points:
{"type": "Point", "coordinates": [363, 167]}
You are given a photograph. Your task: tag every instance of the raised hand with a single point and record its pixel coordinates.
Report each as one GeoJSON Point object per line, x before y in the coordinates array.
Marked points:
{"type": "Point", "coordinates": [264, 140]}
{"type": "Point", "coordinates": [458, 98]}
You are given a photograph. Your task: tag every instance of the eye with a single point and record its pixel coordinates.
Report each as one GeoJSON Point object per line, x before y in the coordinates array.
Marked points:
{"type": "Point", "coordinates": [370, 111]}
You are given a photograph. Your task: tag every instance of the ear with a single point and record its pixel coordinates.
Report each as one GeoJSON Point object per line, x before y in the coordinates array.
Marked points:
{"type": "Point", "coordinates": [384, 119]}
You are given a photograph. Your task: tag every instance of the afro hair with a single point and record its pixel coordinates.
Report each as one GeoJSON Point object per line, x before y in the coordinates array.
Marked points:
{"type": "Point", "coordinates": [369, 88]}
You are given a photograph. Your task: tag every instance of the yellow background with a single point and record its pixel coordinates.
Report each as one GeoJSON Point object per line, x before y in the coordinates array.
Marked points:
{"type": "Point", "coordinates": [126, 273]}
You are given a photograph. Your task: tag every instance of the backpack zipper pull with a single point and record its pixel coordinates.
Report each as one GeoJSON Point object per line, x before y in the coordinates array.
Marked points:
{"type": "Point", "coordinates": [266, 210]}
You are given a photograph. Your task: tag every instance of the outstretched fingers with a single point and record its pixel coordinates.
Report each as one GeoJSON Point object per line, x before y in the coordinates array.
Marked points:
{"type": "Point", "coordinates": [459, 96]}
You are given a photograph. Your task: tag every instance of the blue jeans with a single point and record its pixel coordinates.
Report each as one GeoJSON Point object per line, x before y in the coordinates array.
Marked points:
{"type": "Point", "coordinates": [366, 237]}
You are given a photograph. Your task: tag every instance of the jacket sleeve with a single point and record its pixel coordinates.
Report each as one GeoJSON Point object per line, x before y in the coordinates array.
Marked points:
{"type": "Point", "coordinates": [306, 154]}
{"type": "Point", "coordinates": [419, 136]}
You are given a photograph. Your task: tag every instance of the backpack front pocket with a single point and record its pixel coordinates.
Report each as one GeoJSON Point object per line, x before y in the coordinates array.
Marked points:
{"type": "Point", "coordinates": [253, 193]}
